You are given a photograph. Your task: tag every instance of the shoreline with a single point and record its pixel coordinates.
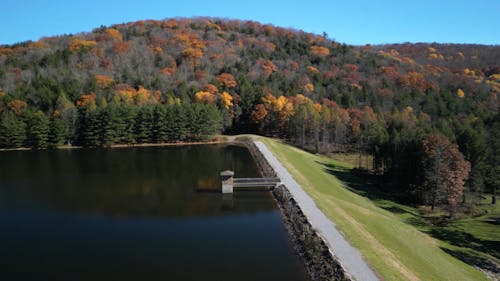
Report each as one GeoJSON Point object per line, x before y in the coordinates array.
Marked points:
{"type": "Point", "coordinates": [316, 256]}
{"type": "Point", "coordinates": [65, 147]}
{"type": "Point", "coordinates": [326, 253]}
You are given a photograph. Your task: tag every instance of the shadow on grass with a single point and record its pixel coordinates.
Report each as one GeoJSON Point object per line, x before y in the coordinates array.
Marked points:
{"type": "Point", "coordinates": [474, 260]}
{"type": "Point", "coordinates": [439, 228]}
{"type": "Point", "coordinates": [367, 185]}
{"type": "Point", "coordinates": [466, 240]}
{"type": "Point", "coordinates": [493, 221]}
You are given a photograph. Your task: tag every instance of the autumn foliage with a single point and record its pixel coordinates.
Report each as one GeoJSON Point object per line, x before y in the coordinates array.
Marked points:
{"type": "Point", "coordinates": [320, 51]}
{"type": "Point", "coordinates": [308, 87]}
{"type": "Point", "coordinates": [204, 97]}
{"type": "Point", "coordinates": [121, 47]}
{"type": "Point", "coordinates": [103, 81]}
{"type": "Point", "coordinates": [317, 93]}
{"type": "Point", "coordinates": [267, 66]}
{"type": "Point", "coordinates": [86, 100]}
{"type": "Point", "coordinates": [17, 106]}
{"type": "Point", "coordinates": [227, 79]}
{"type": "Point", "coordinates": [114, 33]}
{"type": "Point", "coordinates": [168, 70]}
{"type": "Point", "coordinates": [80, 45]}
{"type": "Point", "coordinates": [210, 88]}
{"type": "Point", "coordinates": [446, 171]}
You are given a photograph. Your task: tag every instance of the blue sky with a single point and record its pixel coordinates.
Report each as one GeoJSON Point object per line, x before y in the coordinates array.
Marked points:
{"type": "Point", "coordinates": [349, 21]}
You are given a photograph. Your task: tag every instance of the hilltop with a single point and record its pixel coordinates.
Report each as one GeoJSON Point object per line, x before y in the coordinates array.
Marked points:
{"type": "Point", "coordinates": [186, 79]}
{"type": "Point", "coordinates": [176, 58]}
{"type": "Point", "coordinates": [409, 109]}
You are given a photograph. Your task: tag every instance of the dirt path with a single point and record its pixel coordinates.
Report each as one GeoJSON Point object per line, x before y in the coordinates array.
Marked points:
{"type": "Point", "coordinates": [348, 256]}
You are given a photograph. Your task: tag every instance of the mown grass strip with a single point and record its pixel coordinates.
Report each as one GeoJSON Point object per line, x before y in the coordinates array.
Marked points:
{"type": "Point", "coordinates": [394, 248]}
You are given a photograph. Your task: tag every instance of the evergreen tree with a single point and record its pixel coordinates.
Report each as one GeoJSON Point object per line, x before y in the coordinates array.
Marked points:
{"type": "Point", "coordinates": [38, 130]}
{"type": "Point", "coordinates": [170, 126]}
{"type": "Point", "coordinates": [160, 133]}
{"type": "Point", "coordinates": [472, 143]}
{"type": "Point", "coordinates": [144, 124]}
{"type": "Point", "coordinates": [58, 132]}
{"type": "Point", "coordinates": [12, 131]}
{"type": "Point", "coordinates": [110, 125]}
{"type": "Point", "coordinates": [88, 127]}
{"type": "Point", "coordinates": [211, 121]}
{"type": "Point", "coordinates": [179, 129]}
{"type": "Point", "coordinates": [493, 160]}
{"type": "Point", "coordinates": [126, 120]}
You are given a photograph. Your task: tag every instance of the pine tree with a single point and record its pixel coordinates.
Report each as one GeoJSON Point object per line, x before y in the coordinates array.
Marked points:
{"type": "Point", "coordinates": [126, 123]}
{"type": "Point", "coordinates": [211, 121]}
{"type": "Point", "coordinates": [144, 124]}
{"type": "Point", "coordinates": [58, 132]}
{"type": "Point", "coordinates": [109, 120]}
{"type": "Point", "coordinates": [12, 131]}
{"type": "Point", "coordinates": [88, 127]}
{"type": "Point", "coordinates": [160, 133]}
{"type": "Point", "coordinates": [38, 130]}
{"type": "Point", "coordinates": [493, 161]}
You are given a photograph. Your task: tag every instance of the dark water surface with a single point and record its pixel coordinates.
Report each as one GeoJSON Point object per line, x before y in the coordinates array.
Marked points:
{"type": "Point", "coordinates": [135, 214]}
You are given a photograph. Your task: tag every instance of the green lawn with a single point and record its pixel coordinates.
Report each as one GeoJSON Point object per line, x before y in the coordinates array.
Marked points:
{"type": "Point", "coordinates": [383, 231]}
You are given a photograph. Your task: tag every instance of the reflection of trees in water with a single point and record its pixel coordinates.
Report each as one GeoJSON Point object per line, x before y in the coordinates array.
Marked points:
{"type": "Point", "coordinates": [154, 181]}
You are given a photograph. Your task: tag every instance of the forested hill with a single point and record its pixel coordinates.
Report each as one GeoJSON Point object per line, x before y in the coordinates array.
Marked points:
{"type": "Point", "coordinates": [167, 62]}
{"type": "Point", "coordinates": [186, 79]}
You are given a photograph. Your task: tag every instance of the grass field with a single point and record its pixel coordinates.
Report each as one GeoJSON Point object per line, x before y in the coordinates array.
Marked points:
{"type": "Point", "coordinates": [387, 234]}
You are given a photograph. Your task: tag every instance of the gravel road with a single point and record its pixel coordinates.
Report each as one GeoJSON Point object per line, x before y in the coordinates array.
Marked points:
{"type": "Point", "coordinates": [347, 255]}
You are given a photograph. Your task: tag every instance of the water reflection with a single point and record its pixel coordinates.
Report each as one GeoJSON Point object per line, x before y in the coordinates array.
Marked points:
{"type": "Point", "coordinates": [136, 214]}
{"type": "Point", "coordinates": [131, 182]}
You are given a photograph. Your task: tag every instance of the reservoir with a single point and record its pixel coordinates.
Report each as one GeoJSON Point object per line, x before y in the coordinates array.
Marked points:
{"type": "Point", "coordinates": [137, 214]}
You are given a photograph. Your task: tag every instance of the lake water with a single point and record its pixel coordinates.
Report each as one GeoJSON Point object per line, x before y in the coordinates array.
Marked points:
{"type": "Point", "coordinates": [136, 214]}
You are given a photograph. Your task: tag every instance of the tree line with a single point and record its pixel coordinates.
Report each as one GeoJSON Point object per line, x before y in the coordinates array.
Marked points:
{"type": "Point", "coordinates": [185, 79]}
{"type": "Point", "coordinates": [443, 163]}
{"type": "Point", "coordinates": [96, 126]}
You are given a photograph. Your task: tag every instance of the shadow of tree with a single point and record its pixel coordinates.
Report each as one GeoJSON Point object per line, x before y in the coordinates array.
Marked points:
{"type": "Point", "coordinates": [474, 260]}
{"type": "Point", "coordinates": [493, 221]}
{"type": "Point", "coordinates": [395, 209]}
{"type": "Point", "coordinates": [367, 185]}
{"type": "Point", "coordinates": [437, 227]}
{"type": "Point", "coordinates": [418, 222]}
{"type": "Point", "coordinates": [466, 240]}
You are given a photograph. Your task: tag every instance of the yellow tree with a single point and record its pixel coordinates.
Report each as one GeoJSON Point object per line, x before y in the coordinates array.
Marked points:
{"type": "Point", "coordinates": [142, 96]}
{"type": "Point", "coordinates": [17, 106]}
{"type": "Point", "coordinates": [320, 51]}
{"type": "Point", "coordinates": [81, 45]}
{"type": "Point", "coordinates": [204, 97]}
{"type": "Point", "coordinates": [114, 33]}
{"type": "Point", "coordinates": [103, 81]}
{"type": "Point", "coordinates": [226, 99]}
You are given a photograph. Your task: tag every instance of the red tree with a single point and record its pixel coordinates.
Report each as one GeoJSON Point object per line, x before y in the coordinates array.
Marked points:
{"type": "Point", "coordinates": [446, 171]}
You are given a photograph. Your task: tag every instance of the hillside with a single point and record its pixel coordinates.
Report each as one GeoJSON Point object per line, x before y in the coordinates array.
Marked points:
{"type": "Point", "coordinates": [426, 113]}
{"type": "Point", "coordinates": [177, 58]}
{"type": "Point", "coordinates": [184, 79]}
{"type": "Point", "coordinates": [379, 228]}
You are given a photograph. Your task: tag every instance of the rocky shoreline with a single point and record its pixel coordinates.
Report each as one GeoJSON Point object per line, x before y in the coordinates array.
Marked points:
{"type": "Point", "coordinates": [315, 254]}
